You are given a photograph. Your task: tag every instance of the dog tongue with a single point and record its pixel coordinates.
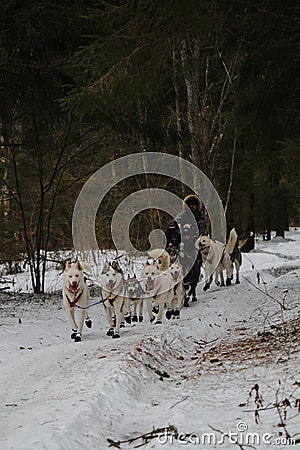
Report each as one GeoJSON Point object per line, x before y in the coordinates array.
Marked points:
{"type": "Point", "coordinates": [150, 285]}
{"type": "Point", "coordinates": [72, 288]}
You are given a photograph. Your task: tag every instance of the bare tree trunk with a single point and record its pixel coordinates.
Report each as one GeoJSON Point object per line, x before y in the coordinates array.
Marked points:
{"type": "Point", "coordinates": [190, 53]}
{"type": "Point", "coordinates": [231, 172]}
{"type": "Point", "coordinates": [179, 114]}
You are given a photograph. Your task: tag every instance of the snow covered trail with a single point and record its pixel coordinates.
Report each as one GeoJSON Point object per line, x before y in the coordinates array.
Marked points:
{"type": "Point", "coordinates": [192, 373]}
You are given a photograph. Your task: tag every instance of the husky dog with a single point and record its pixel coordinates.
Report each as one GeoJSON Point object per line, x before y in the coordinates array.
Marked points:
{"type": "Point", "coordinates": [213, 251]}
{"type": "Point", "coordinates": [135, 295]}
{"type": "Point", "coordinates": [114, 299]}
{"type": "Point", "coordinates": [75, 294]}
{"type": "Point", "coordinates": [158, 284]}
{"type": "Point", "coordinates": [161, 257]}
{"type": "Point", "coordinates": [173, 251]}
{"type": "Point", "coordinates": [178, 288]}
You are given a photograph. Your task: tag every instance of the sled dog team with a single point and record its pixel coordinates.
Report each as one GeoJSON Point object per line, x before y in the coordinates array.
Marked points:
{"type": "Point", "coordinates": [160, 286]}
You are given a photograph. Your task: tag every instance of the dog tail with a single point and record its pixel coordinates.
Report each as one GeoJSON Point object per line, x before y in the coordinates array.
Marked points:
{"type": "Point", "coordinates": [162, 257]}
{"type": "Point", "coordinates": [232, 240]}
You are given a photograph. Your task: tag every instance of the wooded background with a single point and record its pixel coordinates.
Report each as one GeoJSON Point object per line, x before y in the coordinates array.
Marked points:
{"type": "Point", "coordinates": [84, 82]}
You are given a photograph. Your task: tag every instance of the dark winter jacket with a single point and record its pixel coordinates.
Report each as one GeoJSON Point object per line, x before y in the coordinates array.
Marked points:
{"type": "Point", "coordinates": [183, 218]}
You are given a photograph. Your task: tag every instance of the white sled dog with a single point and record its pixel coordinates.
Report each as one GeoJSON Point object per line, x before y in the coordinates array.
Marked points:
{"type": "Point", "coordinates": [178, 288]}
{"type": "Point", "coordinates": [213, 251]}
{"type": "Point", "coordinates": [158, 284]}
{"type": "Point", "coordinates": [114, 297]}
{"type": "Point", "coordinates": [76, 294]}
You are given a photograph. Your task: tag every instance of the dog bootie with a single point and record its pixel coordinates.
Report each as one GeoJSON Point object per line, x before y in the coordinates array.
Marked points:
{"type": "Point", "coordinates": [186, 303]}
{"type": "Point", "coordinates": [78, 337]}
{"type": "Point", "coordinates": [116, 336]}
{"type": "Point", "coordinates": [169, 314]}
{"type": "Point", "coordinates": [134, 318]}
{"type": "Point", "coordinates": [158, 322]}
{"type": "Point", "coordinates": [206, 286]}
{"type": "Point", "coordinates": [228, 282]}
{"type": "Point", "coordinates": [110, 332]}
{"type": "Point", "coordinates": [127, 317]}
{"type": "Point", "coordinates": [141, 318]}
{"type": "Point", "coordinates": [194, 299]}
{"type": "Point", "coordinates": [176, 312]}
{"type": "Point", "coordinates": [88, 322]}
{"type": "Point", "coordinates": [155, 309]}
{"type": "Point", "coordinates": [73, 334]}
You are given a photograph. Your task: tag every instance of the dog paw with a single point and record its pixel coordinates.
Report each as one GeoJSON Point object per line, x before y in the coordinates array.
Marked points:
{"type": "Point", "coordinates": [116, 336]}
{"type": "Point", "coordinates": [237, 282]}
{"type": "Point", "coordinates": [194, 299]}
{"type": "Point", "coordinates": [155, 309]}
{"type": "Point", "coordinates": [228, 282]}
{"type": "Point", "coordinates": [206, 286]}
{"type": "Point", "coordinates": [158, 322]}
{"type": "Point", "coordinates": [186, 304]}
{"type": "Point", "coordinates": [169, 314]}
{"type": "Point", "coordinates": [88, 323]}
{"type": "Point", "coordinates": [78, 337]}
{"type": "Point", "coordinates": [134, 318]}
{"type": "Point", "coordinates": [73, 334]}
{"type": "Point", "coordinates": [110, 332]}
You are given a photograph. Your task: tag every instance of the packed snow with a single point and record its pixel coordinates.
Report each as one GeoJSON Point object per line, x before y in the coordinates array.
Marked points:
{"type": "Point", "coordinates": [225, 375]}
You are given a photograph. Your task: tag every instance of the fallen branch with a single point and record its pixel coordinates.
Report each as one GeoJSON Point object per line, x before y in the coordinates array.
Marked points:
{"type": "Point", "coordinates": [155, 433]}
{"type": "Point", "coordinates": [266, 293]}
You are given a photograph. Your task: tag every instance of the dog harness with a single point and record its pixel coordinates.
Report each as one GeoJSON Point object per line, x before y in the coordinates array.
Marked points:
{"type": "Point", "coordinates": [75, 299]}
{"type": "Point", "coordinates": [110, 299]}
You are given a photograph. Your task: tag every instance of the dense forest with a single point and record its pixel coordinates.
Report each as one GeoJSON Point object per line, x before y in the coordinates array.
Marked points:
{"type": "Point", "coordinates": [85, 82]}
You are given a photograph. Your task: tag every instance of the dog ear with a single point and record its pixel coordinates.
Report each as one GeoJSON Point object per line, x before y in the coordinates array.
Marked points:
{"type": "Point", "coordinates": [116, 267]}
{"type": "Point", "coordinates": [105, 267]}
{"type": "Point", "coordinates": [68, 265]}
{"type": "Point", "coordinates": [78, 265]}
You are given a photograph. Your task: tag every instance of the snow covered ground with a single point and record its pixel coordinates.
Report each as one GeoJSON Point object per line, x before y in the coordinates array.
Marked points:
{"type": "Point", "coordinates": [192, 376]}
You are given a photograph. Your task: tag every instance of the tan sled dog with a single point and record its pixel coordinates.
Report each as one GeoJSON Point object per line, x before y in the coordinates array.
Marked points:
{"type": "Point", "coordinates": [114, 298]}
{"type": "Point", "coordinates": [76, 295]}
{"type": "Point", "coordinates": [178, 288]}
{"type": "Point", "coordinates": [158, 284]}
{"type": "Point", "coordinates": [214, 251]}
